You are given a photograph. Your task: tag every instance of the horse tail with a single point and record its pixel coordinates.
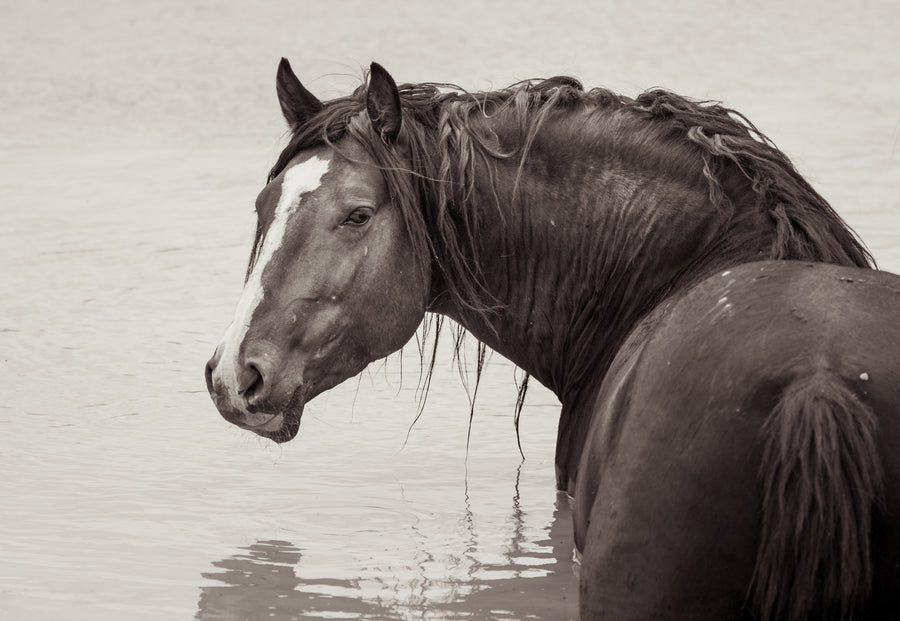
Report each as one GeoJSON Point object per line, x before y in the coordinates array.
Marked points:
{"type": "Point", "coordinates": [822, 480]}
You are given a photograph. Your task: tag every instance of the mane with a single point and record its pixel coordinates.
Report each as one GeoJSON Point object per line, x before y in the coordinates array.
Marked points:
{"type": "Point", "coordinates": [444, 136]}
{"type": "Point", "coordinates": [444, 139]}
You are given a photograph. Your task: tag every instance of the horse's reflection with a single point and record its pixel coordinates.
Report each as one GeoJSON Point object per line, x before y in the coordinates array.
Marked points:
{"type": "Point", "coordinates": [261, 583]}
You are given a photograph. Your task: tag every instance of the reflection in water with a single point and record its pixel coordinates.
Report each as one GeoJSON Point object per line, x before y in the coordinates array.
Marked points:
{"type": "Point", "coordinates": [535, 580]}
{"type": "Point", "coordinates": [262, 584]}
{"type": "Point", "coordinates": [538, 577]}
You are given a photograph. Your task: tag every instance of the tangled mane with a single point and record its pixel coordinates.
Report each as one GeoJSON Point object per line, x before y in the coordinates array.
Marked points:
{"type": "Point", "coordinates": [431, 172]}
{"type": "Point", "coordinates": [434, 179]}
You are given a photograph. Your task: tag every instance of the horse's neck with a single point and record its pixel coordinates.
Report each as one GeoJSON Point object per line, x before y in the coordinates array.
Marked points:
{"type": "Point", "coordinates": [607, 217]}
{"type": "Point", "coordinates": [575, 250]}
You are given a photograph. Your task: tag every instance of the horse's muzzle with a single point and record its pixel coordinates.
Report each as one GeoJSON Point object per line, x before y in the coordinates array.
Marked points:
{"type": "Point", "coordinates": [248, 406]}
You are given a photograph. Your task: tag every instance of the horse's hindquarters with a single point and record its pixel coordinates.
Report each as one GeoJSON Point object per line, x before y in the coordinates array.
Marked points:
{"type": "Point", "coordinates": [669, 499]}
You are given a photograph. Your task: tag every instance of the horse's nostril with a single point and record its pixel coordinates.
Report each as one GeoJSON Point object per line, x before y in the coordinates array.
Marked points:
{"type": "Point", "coordinates": [209, 372]}
{"type": "Point", "coordinates": [250, 382]}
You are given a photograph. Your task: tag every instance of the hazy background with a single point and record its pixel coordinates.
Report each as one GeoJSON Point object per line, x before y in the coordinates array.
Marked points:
{"type": "Point", "coordinates": [135, 137]}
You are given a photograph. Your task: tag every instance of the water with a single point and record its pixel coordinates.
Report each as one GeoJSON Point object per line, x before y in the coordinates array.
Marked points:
{"type": "Point", "coordinates": [134, 144]}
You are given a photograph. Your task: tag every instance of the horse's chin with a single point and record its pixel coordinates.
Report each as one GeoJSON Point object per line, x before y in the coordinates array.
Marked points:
{"type": "Point", "coordinates": [283, 426]}
{"type": "Point", "coordinates": [280, 429]}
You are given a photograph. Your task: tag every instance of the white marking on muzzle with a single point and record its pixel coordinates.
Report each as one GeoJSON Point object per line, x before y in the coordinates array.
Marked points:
{"type": "Point", "coordinates": [299, 179]}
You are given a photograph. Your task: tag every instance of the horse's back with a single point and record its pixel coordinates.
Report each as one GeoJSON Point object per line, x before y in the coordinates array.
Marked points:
{"type": "Point", "coordinates": [669, 499]}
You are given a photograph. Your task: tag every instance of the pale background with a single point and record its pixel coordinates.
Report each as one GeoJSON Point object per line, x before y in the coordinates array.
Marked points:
{"type": "Point", "coordinates": [134, 139]}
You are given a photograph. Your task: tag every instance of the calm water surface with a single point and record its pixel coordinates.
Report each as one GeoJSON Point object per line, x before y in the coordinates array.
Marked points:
{"type": "Point", "coordinates": [134, 147]}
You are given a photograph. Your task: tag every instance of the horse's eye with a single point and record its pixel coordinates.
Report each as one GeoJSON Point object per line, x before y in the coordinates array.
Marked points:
{"type": "Point", "coordinates": [358, 217]}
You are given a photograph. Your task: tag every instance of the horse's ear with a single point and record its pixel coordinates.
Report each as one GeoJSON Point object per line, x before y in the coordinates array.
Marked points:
{"type": "Point", "coordinates": [297, 103]}
{"type": "Point", "coordinates": [383, 103]}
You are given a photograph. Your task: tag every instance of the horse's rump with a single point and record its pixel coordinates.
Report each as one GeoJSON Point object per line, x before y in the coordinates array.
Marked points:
{"type": "Point", "coordinates": [822, 476]}
{"type": "Point", "coordinates": [745, 459]}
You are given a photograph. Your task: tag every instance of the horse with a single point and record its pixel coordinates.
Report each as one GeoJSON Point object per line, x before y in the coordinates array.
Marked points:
{"type": "Point", "coordinates": [726, 354]}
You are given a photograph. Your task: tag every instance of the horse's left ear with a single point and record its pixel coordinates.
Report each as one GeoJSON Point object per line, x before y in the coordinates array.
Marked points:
{"type": "Point", "coordinates": [383, 103]}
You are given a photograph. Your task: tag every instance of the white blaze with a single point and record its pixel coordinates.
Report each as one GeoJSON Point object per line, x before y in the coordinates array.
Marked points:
{"type": "Point", "coordinates": [299, 179]}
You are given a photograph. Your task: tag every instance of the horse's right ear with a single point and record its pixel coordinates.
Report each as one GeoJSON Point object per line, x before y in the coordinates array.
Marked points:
{"type": "Point", "coordinates": [297, 103]}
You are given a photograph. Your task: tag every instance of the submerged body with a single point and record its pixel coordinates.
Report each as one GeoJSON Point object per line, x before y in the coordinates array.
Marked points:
{"type": "Point", "coordinates": [701, 402]}
{"type": "Point", "coordinates": [610, 247]}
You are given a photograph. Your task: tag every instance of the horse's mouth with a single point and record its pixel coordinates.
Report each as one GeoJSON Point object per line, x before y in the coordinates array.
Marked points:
{"type": "Point", "coordinates": [282, 426]}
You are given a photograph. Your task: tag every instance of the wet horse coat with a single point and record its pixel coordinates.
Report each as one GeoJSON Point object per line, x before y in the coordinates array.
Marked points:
{"type": "Point", "coordinates": [728, 425]}
{"type": "Point", "coordinates": [705, 438]}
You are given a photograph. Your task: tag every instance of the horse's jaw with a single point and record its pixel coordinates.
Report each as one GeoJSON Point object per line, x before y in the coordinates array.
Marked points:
{"type": "Point", "coordinates": [280, 428]}
{"type": "Point", "coordinates": [279, 425]}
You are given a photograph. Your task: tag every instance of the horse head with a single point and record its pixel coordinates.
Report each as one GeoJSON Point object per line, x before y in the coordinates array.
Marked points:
{"type": "Point", "coordinates": [334, 282]}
